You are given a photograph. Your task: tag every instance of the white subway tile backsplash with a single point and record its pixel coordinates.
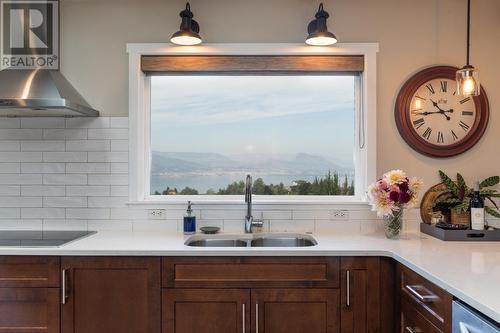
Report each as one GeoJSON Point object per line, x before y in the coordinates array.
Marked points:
{"type": "Point", "coordinates": [33, 224]}
{"type": "Point", "coordinates": [10, 123]}
{"type": "Point", "coordinates": [105, 202]}
{"type": "Point", "coordinates": [292, 226]}
{"type": "Point", "coordinates": [108, 133]}
{"type": "Point", "coordinates": [65, 156]}
{"type": "Point", "coordinates": [42, 190]}
{"type": "Point", "coordinates": [44, 213]}
{"type": "Point", "coordinates": [10, 190]}
{"type": "Point", "coordinates": [99, 122]}
{"type": "Point", "coordinates": [20, 202]}
{"type": "Point", "coordinates": [47, 145]}
{"type": "Point", "coordinates": [20, 134]}
{"type": "Point", "coordinates": [39, 122]}
{"type": "Point", "coordinates": [64, 134]}
{"type": "Point", "coordinates": [10, 146]}
{"type": "Point", "coordinates": [117, 179]}
{"type": "Point", "coordinates": [88, 145]}
{"type": "Point", "coordinates": [10, 167]}
{"type": "Point", "coordinates": [20, 179]}
{"type": "Point", "coordinates": [10, 213]}
{"type": "Point", "coordinates": [274, 214]}
{"type": "Point", "coordinates": [108, 156]}
{"type": "Point", "coordinates": [88, 191]}
{"type": "Point", "coordinates": [127, 213]}
{"type": "Point", "coordinates": [88, 168]}
{"type": "Point", "coordinates": [106, 225]}
{"type": "Point", "coordinates": [21, 157]}
{"type": "Point", "coordinates": [43, 168]}
{"type": "Point", "coordinates": [119, 191]}
{"type": "Point", "coordinates": [68, 179]}
{"type": "Point", "coordinates": [65, 202]}
{"type": "Point", "coordinates": [64, 224]}
{"type": "Point", "coordinates": [119, 122]}
{"type": "Point", "coordinates": [87, 213]}
{"type": "Point", "coordinates": [119, 145]}
{"type": "Point", "coordinates": [223, 214]}
{"type": "Point", "coordinates": [119, 167]}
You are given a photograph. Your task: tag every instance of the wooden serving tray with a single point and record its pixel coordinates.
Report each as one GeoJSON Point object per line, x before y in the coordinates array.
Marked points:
{"type": "Point", "coordinates": [461, 235]}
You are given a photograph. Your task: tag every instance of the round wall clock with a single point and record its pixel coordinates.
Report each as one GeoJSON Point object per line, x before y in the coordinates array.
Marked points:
{"type": "Point", "coordinates": [433, 120]}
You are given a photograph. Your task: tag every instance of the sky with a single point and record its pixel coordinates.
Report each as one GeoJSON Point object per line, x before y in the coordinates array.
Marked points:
{"type": "Point", "coordinates": [272, 115]}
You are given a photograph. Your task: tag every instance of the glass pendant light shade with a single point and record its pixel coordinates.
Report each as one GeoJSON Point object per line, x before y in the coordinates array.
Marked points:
{"type": "Point", "coordinates": [189, 29]}
{"type": "Point", "coordinates": [318, 31]}
{"type": "Point", "coordinates": [468, 83]}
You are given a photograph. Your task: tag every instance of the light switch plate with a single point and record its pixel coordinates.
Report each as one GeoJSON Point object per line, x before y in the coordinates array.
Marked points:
{"type": "Point", "coordinates": [157, 214]}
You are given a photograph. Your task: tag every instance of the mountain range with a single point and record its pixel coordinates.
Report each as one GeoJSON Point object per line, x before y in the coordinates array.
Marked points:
{"type": "Point", "coordinates": [190, 162]}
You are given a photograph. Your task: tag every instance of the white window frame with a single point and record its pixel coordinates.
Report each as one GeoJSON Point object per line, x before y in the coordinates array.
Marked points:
{"type": "Point", "coordinates": [139, 118]}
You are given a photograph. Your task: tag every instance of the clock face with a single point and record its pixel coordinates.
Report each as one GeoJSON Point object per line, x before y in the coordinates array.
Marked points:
{"type": "Point", "coordinates": [438, 115]}
{"type": "Point", "coordinates": [433, 120]}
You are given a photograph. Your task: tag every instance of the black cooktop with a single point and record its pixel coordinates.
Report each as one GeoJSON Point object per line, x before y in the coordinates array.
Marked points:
{"type": "Point", "coordinates": [30, 238]}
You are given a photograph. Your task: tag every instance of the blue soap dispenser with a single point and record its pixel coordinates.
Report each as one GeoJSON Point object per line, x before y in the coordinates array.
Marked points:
{"type": "Point", "coordinates": [189, 221]}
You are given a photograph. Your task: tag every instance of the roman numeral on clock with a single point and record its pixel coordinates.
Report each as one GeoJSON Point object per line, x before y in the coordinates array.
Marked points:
{"type": "Point", "coordinates": [440, 137]}
{"type": "Point", "coordinates": [418, 123]}
{"type": "Point", "coordinates": [431, 88]}
{"type": "Point", "coordinates": [464, 126]}
{"type": "Point", "coordinates": [455, 137]}
{"type": "Point", "coordinates": [465, 100]}
{"type": "Point", "coordinates": [427, 133]}
{"type": "Point", "coordinates": [444, 86]}
{"type": "Point", "coordinates": [467, 113]}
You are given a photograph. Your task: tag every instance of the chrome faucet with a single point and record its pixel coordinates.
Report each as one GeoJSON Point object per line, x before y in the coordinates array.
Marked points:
{"type": "Point", "coordinates": [250, 222]}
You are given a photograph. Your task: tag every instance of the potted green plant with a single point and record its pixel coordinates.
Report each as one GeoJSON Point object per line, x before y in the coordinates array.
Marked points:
{"type": "Point", "coordinates": [456, 195]}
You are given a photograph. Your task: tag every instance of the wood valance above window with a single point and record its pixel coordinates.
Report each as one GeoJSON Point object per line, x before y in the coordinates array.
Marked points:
{"type": "Point", "coordinates": [201, 64]}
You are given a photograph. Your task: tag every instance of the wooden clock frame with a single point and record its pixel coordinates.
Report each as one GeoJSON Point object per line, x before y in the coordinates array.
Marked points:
{"type": "Point", "coordinates": [413, 139]}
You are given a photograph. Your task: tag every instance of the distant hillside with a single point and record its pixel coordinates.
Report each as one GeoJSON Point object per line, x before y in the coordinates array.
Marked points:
{"type": "Point", "coordinates": [302, 163]}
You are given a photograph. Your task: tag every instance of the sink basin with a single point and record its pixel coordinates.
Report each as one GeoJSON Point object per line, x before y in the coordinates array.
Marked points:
{"type": "Point", "coordinates": [297, 241]}
{"type": "Point", "coordinates": [214, 242]}
{"type": "Point", "coordinates": [255, 240]}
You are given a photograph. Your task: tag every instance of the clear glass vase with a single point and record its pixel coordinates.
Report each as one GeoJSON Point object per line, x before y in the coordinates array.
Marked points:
{"type": "Point", "coordinates": [394, 224]}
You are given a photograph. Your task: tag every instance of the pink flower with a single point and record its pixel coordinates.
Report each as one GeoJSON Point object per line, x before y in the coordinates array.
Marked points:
{"type": "Point", "coordinates": [382, 184]}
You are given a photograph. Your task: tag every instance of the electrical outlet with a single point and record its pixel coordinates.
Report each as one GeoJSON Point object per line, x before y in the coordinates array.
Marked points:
{"type": "Point", "coordinates": [339, 214]}
{"type": "Point", "coordinates": [157, 214]}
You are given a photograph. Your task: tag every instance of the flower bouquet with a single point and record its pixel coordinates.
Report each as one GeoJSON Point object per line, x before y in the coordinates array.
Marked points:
{"type": "Point", "coordinates": [390, 196]}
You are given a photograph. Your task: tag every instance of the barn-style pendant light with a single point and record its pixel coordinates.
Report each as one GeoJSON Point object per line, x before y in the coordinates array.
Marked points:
{"type": "Point", "coordinates": [468, 77]}
{"type": "Point", "coordinates": [317, 30]}
{"type": "Point", "coordinates": [189, 30]}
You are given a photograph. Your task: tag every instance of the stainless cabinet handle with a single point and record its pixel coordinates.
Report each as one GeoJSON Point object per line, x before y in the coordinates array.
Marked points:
{"type": "Point", "coordinates": [348, 288]}
{"type": "Point", "coordinates": [256, 317]}
{"type": "Point", "coordinates": [414, 290]}
{"type": "Point", "coordinates": [413, 330]}
{"type": "Point", "coordinates": [64, 297]}
{"type": "Point", "coordinates": [243, 316]}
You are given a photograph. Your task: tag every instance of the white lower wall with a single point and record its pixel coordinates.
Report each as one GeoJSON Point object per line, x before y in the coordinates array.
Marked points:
{"type": "Point", "coordinates": [58, 173]}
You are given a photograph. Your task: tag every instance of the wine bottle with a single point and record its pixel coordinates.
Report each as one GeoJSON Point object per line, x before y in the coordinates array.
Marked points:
{"type": "Point", "coordinates": [476, 210]}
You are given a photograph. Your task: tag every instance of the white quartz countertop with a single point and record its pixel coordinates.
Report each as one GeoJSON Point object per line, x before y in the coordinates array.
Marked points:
{"type": "Point", "coordinates": [468, 270]}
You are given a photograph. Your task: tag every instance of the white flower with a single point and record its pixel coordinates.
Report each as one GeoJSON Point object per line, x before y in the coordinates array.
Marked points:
{"type": "Point", "coordinates": [394, 177]}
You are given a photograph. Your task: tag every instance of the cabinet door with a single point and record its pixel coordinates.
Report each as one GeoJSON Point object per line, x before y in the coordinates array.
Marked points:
{"type": "Point", "coordinates": [104, 294]}
{"type": "Point", "coordinates": [206, 310]}
{"type": "Point", "coordinates": [360, 294]}
{"type": "Point", "coordinates": [295, 310]}
{"type": "Point", "coordinates": [29, 310]}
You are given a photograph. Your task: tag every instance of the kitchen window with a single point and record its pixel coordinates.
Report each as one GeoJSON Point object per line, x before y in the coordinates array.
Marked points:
{"type": "Point", "coordinates": [297, 124]}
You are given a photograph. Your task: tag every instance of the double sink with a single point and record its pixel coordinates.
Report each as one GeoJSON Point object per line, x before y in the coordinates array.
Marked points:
{"type": "Point", "coordinates": [252, 240]}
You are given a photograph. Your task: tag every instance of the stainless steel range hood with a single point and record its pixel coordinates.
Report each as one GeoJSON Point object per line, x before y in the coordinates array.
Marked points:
{"type": "Point", "coordinates": [40, 93]}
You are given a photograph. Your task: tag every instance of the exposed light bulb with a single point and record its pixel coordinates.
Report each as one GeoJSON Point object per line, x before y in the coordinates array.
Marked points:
{"type": "Point", "coordinates": [185, 40]}
{"type": "Point", "coordinates": [468, 86]}
{"type": "Point", "coordinates": [321, 41]}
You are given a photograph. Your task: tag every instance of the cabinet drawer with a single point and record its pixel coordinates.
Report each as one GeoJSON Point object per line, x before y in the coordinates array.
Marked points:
{"type": "Point", "coordinates": [413, 321]}
{"type": "Point", "coordinates": [29, 272]}
{"type": "Point", "coordinates": [217, 272]}
{"type": "Point", "coordinates": [29, 310]}
{"type": "Point", "coordinates": [430, 300]}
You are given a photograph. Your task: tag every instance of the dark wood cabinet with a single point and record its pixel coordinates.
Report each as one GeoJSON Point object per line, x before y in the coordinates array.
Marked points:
{"type": "Point", "coordinates": [29, 310]}
{"type": "Point", "coordinates": [111, 294]}
{"type": "Point", "coordinates": [295, 310]}
{"type": "Point", "coordinates": [360, 294]}
{"type": "Point", "coordinates": [206, 310]}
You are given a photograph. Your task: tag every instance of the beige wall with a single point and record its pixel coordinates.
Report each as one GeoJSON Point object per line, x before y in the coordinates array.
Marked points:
{"type": "Point", "coordinates": [412, 34]}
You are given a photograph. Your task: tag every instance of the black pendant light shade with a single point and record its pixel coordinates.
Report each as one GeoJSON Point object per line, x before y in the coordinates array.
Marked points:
{"type": "Point", "coordinates": [189, 30]}
{"type": "Point", "coordinates": [467, 77]}
{"type": "Point", "coordinates": [318, 31]}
